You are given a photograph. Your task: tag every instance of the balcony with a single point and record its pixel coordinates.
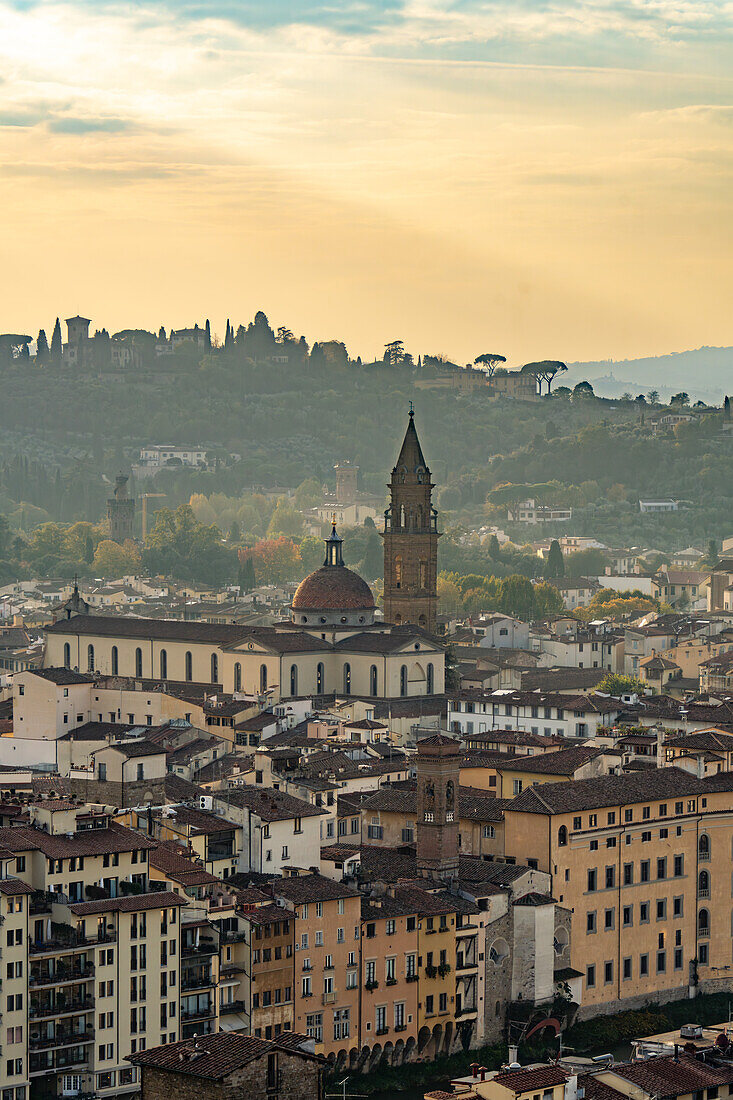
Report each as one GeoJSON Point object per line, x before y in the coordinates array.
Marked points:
{"type": "Point", "coordinates": [200, 980]}
{"type": "Point", "coordinates": [67, 943]}
{"type": "Point", "coordinates": [371, 984]}
{"type": "Point", "coordinates": [198, 1013]}
{"type": "Point", "coordinates": [328, 998]}
{"type": "Point", "coordinates": [231, 1006]}
{"type": "Point", "coordinates": [63, 1059]}
{"type": "Point", "coordinates": [203, 947]}
{"type": "Point", "coordinates": [412, 977]}
{"type": "Point", "coordinates": [61, 975]}
{"type": "Point", "coordinates": [61, 1039]}
{"type": "Point", "coordinates": [234, 937]}
{"type": "Point", "coordinates": [41, 902]}
{"type": "Point", "coordinates": [465, 964]}
{"type": "Point", "coordinates": [63, 1008]}
{"type": "Point", "coordinates": [703, 892]}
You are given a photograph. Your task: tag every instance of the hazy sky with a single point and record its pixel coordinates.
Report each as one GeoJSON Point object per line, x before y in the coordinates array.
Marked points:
{"type": "Point", "coordinates": [536, 178]}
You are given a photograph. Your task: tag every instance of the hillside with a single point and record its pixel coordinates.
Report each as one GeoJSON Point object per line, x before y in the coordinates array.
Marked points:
{"type": "Point", "coordinates": [705, 373]}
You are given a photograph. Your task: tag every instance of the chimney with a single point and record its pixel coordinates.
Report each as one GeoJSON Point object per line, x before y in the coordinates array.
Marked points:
{"type": "Point", "coordinates": [513, 1054]}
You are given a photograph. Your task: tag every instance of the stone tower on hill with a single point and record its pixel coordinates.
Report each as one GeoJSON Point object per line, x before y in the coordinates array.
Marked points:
{"type": "Point", "coordinates": [411, 540]}
{"type": "Point", "coordinates": [438, 759]}
{"type": "Point", "coordinates": [120, 511]}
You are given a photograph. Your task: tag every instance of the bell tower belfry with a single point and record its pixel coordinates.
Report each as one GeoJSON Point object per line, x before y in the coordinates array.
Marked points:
{"type": "Point", "coordinates": [438, 761]}
{"type": "Point", "coordinates": [411, 539]}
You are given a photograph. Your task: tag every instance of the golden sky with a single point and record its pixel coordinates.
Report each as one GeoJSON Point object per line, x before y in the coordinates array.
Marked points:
{"type": "Point", "coordinates": [538, 179]}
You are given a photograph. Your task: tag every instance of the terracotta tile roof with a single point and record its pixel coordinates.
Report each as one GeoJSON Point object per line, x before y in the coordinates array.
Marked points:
{"type": "Point", "coordinates": [337, 853]}
{"type": "Point", "coordinates": [300, 889]}
{"type": "Point", "coordinates": [62, 677]}
{"type": "Point", "coordinates": [14, 886]}
{"type": "Point", "coordinates": [176, 863]}
{"type": "Point", "coordinates": [267, 914]}
{"type": "Point", "coordinates": [524, 1080]}
{"type": "Point", "coordinates": [215, 1057]}
{"type": "Point", "coordinates": [563, 762]}
{"type": "Point", "coordinates": [200, 822]}
{"type": "Point", "coordinates": [134, 903]}
{"type": "Point", "coordinates": [136, 747]}
{"type": "Point", "coordinates": [667, 1076]}
{"type": "Point", "coordinates": [177, 629]}
{"type": "Point", "coordinates": [607, 790]}
{"type": "Point", "coordinates": [178, 789]}
{"type": "Point", "coordinates": [333, 587]}
{"type": "Point", "coordinates": [95, 842]}
{"type": "Point", "coordinates": [269, 804]}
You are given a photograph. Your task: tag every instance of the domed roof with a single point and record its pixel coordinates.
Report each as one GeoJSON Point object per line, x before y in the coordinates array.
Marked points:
{"type": "Point", "coordinates": [333, 588]}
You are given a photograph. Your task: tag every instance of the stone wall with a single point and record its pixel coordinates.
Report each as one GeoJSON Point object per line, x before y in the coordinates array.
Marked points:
{"type": "Point", "coordinates": [119, 794]}
{"type": "Point", "coordinates": [300, 1079]}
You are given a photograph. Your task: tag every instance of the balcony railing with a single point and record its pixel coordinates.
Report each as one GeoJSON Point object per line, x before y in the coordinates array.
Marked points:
{"type": "Point", "coordinates": [703, 892]}
{"type": "Point", "coordinates": [198, 1013]}
{"type": "Point", "coordinates": [63, 1008]}
{"type": "Point", "coordinates": [61, 1039]}
{"type": "Point", "coordinates": [61, 974]}
{"type": "Point", "coordinates": [234, 937]}
{"type": "Point", "coordinates": [203, 947]}
{"type": "Point", "coordinates": [197, 981]}
{"type": "Point", "coordinates": [231, 1006]}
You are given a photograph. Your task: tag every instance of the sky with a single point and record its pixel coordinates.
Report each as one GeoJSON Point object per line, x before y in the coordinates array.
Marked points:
{"type": "Point", "coordinates": [536, 178]}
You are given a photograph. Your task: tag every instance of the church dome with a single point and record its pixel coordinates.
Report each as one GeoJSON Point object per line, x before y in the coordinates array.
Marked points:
{"type": "Point", "coordinates": [333, 588]}
{"type": "Point", "coordinates": [333, 594]}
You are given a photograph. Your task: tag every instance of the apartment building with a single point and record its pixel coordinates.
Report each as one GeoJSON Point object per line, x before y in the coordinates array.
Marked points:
{"type": "Point", "coordinates": [389, 971]}
{"type": "Point", "coordinates": [272, 967]}
{"type": "Point", "coordinates": [327, 939]}
{"type": "Point", "coordinates": [81, 932]}
{"type": "Point", "coordinates": [548, 715]}
{"type": "Point", "coordinates": [630, 856]}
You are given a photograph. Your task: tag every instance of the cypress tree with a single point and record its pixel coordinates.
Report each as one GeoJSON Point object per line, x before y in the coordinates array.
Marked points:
{"type": "Point", "coordinates": [56, 346]}
{"type": "Point", "coordinates": [42, 352]}
{"type": "Point", "coordinates": [726, 408]}
{"type": "Point", "coordinates": [555, 564]}
{"type": "Point", "coordinates": [207, 335]}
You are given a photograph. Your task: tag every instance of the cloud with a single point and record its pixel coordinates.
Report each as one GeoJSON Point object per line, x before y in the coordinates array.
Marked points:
{"type": "Point", "coordinates": [68, 125]}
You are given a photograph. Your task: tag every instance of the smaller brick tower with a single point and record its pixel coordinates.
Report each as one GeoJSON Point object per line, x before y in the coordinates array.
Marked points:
{"type": "Point", "coordinates": [438, 759]}
{"type": "Point", "coordinates": [347, 477]}
{"type": "Point", "coordinates": [120, 512]}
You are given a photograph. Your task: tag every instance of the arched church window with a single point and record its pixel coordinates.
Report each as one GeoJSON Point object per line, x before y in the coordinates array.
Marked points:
{"type": "Point", "coordinates": [163, 665]}
{"type": "Point", "coordinates": [237, 677]}
{"type": "Point", "coordinates": [90, 658]}
{"type": "Point", "coordinates": [293, 679]}
{"type": "Point", "coordinates": [138, 662]}
{"type": "Point", "coordinates": [320, 677]}
{"type": "Point", "coordinates": [403, 680]}
{"type": "Point", "coordinates": [430, 679]}
{"type": "Point", "coordinates": [373, 680]}
{"type": "Point", "coordinates": [67, 655]}
{"type": "Point", "coordinates": [347, 679]}
{"type": "Point", "coordinates": [188, 666]}
{"type": "Point", "coordinates": [214, 669]}
{"type": "Point", "coordinates": [263, 678]}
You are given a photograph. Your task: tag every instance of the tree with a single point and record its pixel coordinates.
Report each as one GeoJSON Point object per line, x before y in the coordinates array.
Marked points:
{"type": "Point", "coordinates": [711, 558]}
{"type": "Point", "coordinates": [235, 532]}
{"type": "Point", "coordinates": [583, 390]}
{"type": "Point", "coordinates": [207, 335]}
{"type": "Point", "coordinates": [394, 352]}
{"type": "Point", "coordinates": [726, 408]}
{"type": "Point", "coordinates": [308, 494]}
{"type": "Point", "coordinates": [450, 601]}
{"type": "Point", "coordinates": [555, 562]}
{"type": "Point", "coordinates": [246, 576]}
{"type": "Point", "coordinates": [42, 352]}
{"type": "Point", "coordinates": [516, 597]}
{"type": "Point", "coordinates": [56, 345]}
{"type": "Point", "coordinates": [680, 399]}
{"type": "Point", "coordinates": [113, 560]}
{"type": "Point", "coordinates": [653, 397]}
{"type": "Point", "coordinates": [276, 560]}
{"type": "Point", "coordinates": [545, 371]}
{"type": "Point", "coordinates": [494, 549]}
{"type": "Point", "coordinates": [285, 520]}
{"type": "Point", "coordinates": [489, 361]}
{"type": "Point", "coordinates": [311, 553]}
{"type": "Point", "coordinates": [615, 684]}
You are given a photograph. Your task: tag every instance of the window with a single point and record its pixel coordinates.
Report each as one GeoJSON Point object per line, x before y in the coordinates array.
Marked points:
{"type": "Point", "coordinates": [163, 665]}
{"type": "Point", "coordinates": [403, 680]}
{"type": "Point", "coordinates": [608, 972]}
{"type": "Point", "coordinates": [590, 921]}
{"type": "Point", "coordinates": [188, 663]}
{"type": "Point", "coordinates": [644, 912]}
{"type": "Point", "coordinates": [628, 916]}
{"type": "Point", "coordinates": [679, 866]}
{"type": "Point", "coordinates": [562, 836]}
{"type": "Point", "coordinates": [610, 877]}
{"type": "Point", "coordinates": [662, 868]}
{"type": "Point", "coordinates": [592, 880]}
{"type": "Point", "coordinates": [643, 966]}
{"type": "Point", "coordinates": [115, 660]}
{"type": "Point", "coordinates": [627, 969]}
{"type": "Point", "coordinates": [90, 658]}
{"type": "Point", "coordinates": [430, 675]}
{"type": "Point", "coordinates": [293, 679]}
{"type": "Point", "coordinates": [373, 680]}
{"type": "Point", "coordinates": [347, 679]}
{"type": "Point", "coordinates": [609, 920]}
{"type": "Point", "coordinates": [67, 656]}
{"type": "Point", "coordinates": [628, 874]}
{"type": "Point", "coordinates": [138, 662]}
{"type": "Point", "coordinates": [590, 977]}
{"type": "Point", "coordinates": [645, 870]}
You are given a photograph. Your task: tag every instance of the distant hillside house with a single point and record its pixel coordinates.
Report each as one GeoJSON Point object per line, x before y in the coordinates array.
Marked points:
{"type": "Point", "coordinates": [528, 511]}
{"type": "Point", "coordinates": [658, 506]}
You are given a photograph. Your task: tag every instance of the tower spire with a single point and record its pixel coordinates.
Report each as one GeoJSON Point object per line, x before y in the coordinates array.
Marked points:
{"type": "Point", "coordinates": [411, 538]}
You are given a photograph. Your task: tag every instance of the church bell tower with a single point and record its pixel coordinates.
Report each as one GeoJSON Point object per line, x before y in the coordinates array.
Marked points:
{"type": "Point", "coordinates": [411, 539]}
